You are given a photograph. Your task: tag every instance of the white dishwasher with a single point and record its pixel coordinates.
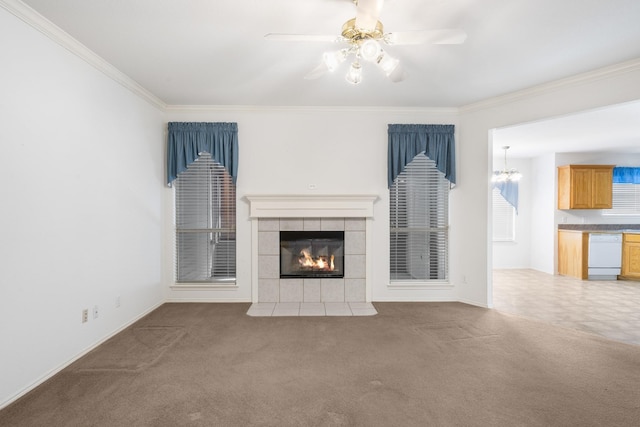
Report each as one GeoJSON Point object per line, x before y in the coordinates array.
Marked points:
{"type": "Point", "coordinates": [605, 256]}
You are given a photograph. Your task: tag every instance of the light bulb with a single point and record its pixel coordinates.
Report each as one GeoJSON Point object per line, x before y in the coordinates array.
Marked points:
{"type": "Point", "coordinates": [354, 76]}
{"type": "Point", "coordinates": [514, 175]}
{"type": "Point", "coordinates": [369, 50]}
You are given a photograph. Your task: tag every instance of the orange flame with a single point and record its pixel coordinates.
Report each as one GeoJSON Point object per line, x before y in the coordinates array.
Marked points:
{"type": "Point", "coordinates": [320, 263]}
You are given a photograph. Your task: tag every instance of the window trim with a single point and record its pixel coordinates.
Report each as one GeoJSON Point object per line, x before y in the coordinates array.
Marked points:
{"type": "Point", "coordinates": [221, 283]}
{"type": "Point", "coordinates": [422, 283]}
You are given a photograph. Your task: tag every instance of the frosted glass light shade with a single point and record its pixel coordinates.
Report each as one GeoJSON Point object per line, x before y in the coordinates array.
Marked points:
{"type": "Point", "coordinates": [370, 50]}
{"type": "Point", "coordinates": [333, 59]}
{"type": "Point", "coordinates": [354, 76]}
{"type": "Point", "coordinates": [387, 63]}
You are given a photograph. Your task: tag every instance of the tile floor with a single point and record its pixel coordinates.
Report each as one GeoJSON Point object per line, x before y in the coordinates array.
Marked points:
{"type": "Point", "coordinates": [272, 309]}
{"type": "Point", "coordinates": [607, 308]}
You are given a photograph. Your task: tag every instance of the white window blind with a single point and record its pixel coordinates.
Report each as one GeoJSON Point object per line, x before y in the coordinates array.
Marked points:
{"type": "Point", "coordinates": [419, 213]}
{"type": "Point", "coordinates": [504, 219]}
{"type": "Point", "coordinates": [626, 200]}
{"type": "Point", "coordinates": [205, 223]}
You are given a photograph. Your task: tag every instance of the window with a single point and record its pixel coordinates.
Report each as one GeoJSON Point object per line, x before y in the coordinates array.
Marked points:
{"type": "Point", "coordinates": [205, 223]}
{"type": "Point", "coordinates": [504, 219]}
{"type": "Point", "coordinates": [626, 200]}
{"type": "Point", "coordinates": [419, 213]}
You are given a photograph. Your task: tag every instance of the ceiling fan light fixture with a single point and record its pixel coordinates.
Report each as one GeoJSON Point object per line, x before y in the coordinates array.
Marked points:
{"type": "Point", "coordinates": [354, 75]}
{"type": "Point", "coordinates": [370, 50]}
{"type": "Point", "coordinates": [365, 36]}
{"type": "Point", "coordinates": [387, 63]}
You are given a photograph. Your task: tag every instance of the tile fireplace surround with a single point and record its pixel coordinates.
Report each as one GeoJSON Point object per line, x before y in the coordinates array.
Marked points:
{"type": "Point", "coordinates": [271, 214]}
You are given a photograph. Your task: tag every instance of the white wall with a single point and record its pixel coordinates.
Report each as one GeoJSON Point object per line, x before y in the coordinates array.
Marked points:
{"type": "Point", "coordinates": [282, 150]}
{"type": "Point", "coordinates": [81, 160]}
{"type": "Point", "coordinates": [543, 203]}
{"type": "Point", "coordinates": [517, 254]}
{"type": "Point", "coordinates": [572, 95]}
{"type": "Point", "coordinates": [340, 151]}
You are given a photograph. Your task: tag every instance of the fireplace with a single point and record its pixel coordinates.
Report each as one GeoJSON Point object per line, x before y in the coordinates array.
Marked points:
{"type": "Point", "coordinates": [350, 214]}
{"type": "Point", "coordinates": [311, 254]}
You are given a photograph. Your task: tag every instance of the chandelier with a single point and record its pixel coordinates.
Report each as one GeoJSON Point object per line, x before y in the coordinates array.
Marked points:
{"type": "Point", "coordinates": [506, 175]}
{"type": "Point", "coordinates": [364, 46]}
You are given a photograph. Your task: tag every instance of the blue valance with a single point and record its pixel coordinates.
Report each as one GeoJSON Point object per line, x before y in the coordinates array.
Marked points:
{"type": "Point", "coordinates": [626, 175]}
{"type": "Point", "coordinates": [508, 190]}
{"type": "Point", "coordinates": [437, 142]}
{"type": "Point", "coordinates": [186, 140]}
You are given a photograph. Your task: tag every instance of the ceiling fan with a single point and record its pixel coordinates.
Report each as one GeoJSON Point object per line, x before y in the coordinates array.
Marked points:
{"type": "Point", "coordinates": [364, 36]}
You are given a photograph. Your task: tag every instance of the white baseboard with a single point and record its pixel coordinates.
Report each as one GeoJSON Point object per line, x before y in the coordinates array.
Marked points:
{"type": "Point", "coordinates": [209, 299]}
{"type": "Point", "coordinates": [476, 303]}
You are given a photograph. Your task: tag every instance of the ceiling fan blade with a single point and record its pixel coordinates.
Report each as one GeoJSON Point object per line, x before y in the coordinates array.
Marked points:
{"type": "Point", "coordinates": [317, 72]}
{"type": "Point", "coordinates": [398, 75]}
{"type": "Point", "coordinates": [280, 37]}
{"type": "Point", "coordinates": [368, 13]}
{"type": "Point", "coordinates": [426, 36]}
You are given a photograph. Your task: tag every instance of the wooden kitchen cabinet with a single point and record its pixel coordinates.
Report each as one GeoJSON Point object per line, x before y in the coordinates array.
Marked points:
{"type": "Point", "coordinates": [573, 253]}
{"type": "Point", "coordinates": [630, 256]}
{"type": "Point", "coordinates": [585, 186]}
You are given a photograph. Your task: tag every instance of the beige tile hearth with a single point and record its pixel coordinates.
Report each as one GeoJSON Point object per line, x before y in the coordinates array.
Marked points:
{"type": "Point", "coordinates": [286, 309]}
{"type": "Point", "coordinates": [338, 309]}
{"type": "Point", "coordinates": [294, 309]}
{"type": "Point", "coordinates": [312, 309]}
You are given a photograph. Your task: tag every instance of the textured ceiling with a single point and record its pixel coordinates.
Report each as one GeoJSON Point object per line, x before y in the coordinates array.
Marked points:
{"type": "Point", "coordinates": [213, 52]}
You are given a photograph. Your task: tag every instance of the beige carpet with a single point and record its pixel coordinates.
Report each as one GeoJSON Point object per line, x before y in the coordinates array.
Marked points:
{"type": "Point", "coordinates": [132, 350]}
{"type": "Point", "coordinates": [414, 364]}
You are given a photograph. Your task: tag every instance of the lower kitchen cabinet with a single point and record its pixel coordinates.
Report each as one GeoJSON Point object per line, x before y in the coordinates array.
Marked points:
{"type": "Point", "coordinates": [631, 256]}
{"type": "Point", "coordinates": [573, 253]}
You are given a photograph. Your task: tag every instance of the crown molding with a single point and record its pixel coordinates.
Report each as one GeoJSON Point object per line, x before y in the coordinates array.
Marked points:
{"type": "Point", "coordinates": [55, 33]}
{"type": "Point", "coordinates": [305, 108]}
{"type": "Point", "coordinates": [578, 79]}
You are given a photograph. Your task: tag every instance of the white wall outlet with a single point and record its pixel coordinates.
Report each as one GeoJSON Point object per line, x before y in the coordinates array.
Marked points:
{"type": "Point", "coordinates": [85, 315]}
{"type": "Point", "coordinates": [118, 301]}
{"type": "Point", "coordinates": [95, 311]}
{"type": "Point", "coordinates": [313, 187]}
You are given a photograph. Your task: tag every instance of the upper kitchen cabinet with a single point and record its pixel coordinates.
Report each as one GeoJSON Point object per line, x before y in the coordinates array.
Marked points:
{"type": "Point", "coordinates": [585, 186]}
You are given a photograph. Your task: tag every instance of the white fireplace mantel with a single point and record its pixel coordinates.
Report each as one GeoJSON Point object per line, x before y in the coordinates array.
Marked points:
{"type": "Point", "coordinates": [312, 206]}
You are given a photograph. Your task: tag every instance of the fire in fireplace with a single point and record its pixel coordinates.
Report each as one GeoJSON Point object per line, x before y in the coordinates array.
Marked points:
{"type": "Point", "coordinates": [311, 254]}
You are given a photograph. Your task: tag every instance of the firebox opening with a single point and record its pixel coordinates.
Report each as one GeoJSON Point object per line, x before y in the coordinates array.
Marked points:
{"type": "Point", "coordinates": [311, 254]}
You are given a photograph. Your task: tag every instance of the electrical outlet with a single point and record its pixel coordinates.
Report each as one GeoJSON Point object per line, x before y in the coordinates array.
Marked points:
{"type": "Point", "coordinates": [85, 315]}
{"type": "Point", "coordinates": [313, 187]}
{"type": "Point", "coordinates": [95, 311]}
{"type": "Point", "coordinates": [118, 301]}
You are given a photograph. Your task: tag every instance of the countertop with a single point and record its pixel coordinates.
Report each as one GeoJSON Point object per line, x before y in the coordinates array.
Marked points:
{"type": "Point", "coordinates": [601, 228]}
